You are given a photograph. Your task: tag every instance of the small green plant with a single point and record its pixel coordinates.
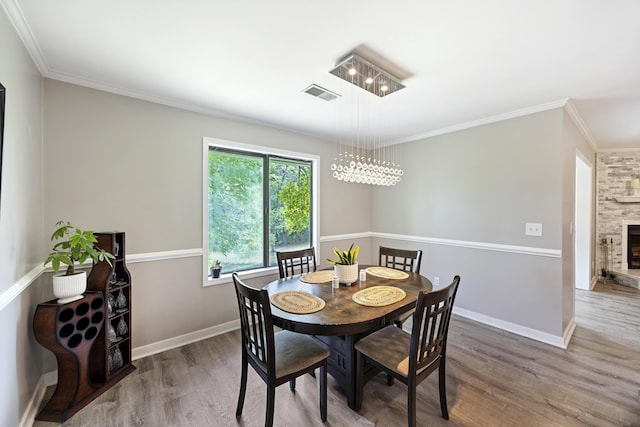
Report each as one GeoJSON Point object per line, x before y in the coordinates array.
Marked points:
{"type": "Point", "coordinates": [75, 246]}
{"type": "Point", "coordinates": [217, 264]}
{"type": "Point", "coordinates": [345, 257]}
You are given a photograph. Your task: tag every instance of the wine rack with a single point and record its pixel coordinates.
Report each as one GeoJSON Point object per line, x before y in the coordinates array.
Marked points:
{"type": "Point", "coordinates": [111, 354]}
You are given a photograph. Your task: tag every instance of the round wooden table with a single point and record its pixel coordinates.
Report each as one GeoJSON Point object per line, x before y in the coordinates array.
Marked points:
{"type": "Point", "coordinates": [342, 322]}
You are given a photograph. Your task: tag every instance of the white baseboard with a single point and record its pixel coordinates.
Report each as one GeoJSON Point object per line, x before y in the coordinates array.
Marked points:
{"type": "Point", "coordinates": [553, 340]}
{"type": "Point", "coordinates": [179, 341]}
{"type": "Point", "coordinates": [51, 378]}
{"type": "Point", "coordinates": [568, 333]}
{"type": "Point", "coordinates": [29, 415]}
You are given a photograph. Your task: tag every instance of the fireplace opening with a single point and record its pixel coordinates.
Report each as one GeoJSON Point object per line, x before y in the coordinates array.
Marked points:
{"type": "Point", "coordinates": [633, 247]}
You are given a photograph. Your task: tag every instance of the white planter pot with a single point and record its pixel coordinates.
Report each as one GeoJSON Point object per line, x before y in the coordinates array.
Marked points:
{"type": "Point", "coordinates": [347, 274]}
{"type": "Point", "coordinates": [69, 288]}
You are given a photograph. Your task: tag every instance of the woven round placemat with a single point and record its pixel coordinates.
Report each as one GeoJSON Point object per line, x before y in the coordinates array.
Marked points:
{"type": "Point", "coordinates": [387, 273]}
{"type": "Point", "coordinates": [379, 296]}
{"type": "Point", "coordinates": [317, 277]}
{"type": "Point", "coordinates": [297, 302]}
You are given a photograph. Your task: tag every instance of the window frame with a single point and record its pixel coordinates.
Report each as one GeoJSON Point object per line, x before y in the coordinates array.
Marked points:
{"type": "Point", "coordinates": [262, 150]}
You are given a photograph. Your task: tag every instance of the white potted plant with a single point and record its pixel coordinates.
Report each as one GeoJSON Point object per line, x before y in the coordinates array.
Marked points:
{"type": "Point", "coordinates": [74, 245]}
{"type": "Point", "coordinates": [346, 266]}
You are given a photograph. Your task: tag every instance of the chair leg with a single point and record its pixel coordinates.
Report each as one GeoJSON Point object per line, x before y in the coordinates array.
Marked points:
{"type": "Point", "coordinates": [243, 385]}
{"type": "Point", "coordinates": [443, 389]}
{"type": "Point", "coordinates": [411, 404]}
{"type": "Point", "coordinates": [271, 397]}
{"type": "Point", "coordinates": [292, 384]}
{"type": "Point", "coordinates": [323, 392]}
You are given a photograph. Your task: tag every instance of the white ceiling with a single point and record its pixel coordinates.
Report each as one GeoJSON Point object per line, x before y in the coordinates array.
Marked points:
{"type": "Point", "coordinates": [470, 61]}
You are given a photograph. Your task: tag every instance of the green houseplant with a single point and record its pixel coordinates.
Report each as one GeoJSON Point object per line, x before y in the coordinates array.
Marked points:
{"type": "Point", "coordinates": [72, 246]}
{"type": "Point", "coordinates": [216, 268]}
{"type": "Point", "coordinates": [346, 266]}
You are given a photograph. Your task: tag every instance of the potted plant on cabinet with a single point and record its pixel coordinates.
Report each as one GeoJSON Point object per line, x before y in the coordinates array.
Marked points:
{"type": "Point", "coordinates": [216, 268]}
{"type": "Point", "coordinates": [346, 266]}
{"type": "Point", "coordinates": [74, 245]}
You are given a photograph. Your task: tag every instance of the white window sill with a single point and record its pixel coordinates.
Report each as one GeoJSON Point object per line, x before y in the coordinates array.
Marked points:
{"type": "Point", "coordinates": [249, 274]}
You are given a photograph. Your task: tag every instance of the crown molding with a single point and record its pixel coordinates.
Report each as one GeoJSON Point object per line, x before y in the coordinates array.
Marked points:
{"type": "Point", "coordinates": [487, 120]}
{"type": "Point", "coordinates": [15, 15]}
{"type": "Point", "coordinates": [582, 127]}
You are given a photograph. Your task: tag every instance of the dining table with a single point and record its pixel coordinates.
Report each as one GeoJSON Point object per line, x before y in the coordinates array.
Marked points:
{"type": "Point", "coordinates": [340, 316]}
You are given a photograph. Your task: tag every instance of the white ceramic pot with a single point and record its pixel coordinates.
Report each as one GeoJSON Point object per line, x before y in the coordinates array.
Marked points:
{"type": "Point", "coordinates": [69, 288]}
{"type": "Point", "coordinates": [347, 274]}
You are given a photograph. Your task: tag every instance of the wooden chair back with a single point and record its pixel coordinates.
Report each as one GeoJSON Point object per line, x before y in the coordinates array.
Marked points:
{"type": "Point", "coordinates": [400, 259]}
{"type": "Point", "coordinates": [297, 354]}
{"type": "Point", "coordinates": [256, 324]}
{"type": "Point", "coordinates": [411, 358]}
{"type": "Point", "coordinates": [431, 327]}
{"type": "Point", "coordinates": [303, 260]}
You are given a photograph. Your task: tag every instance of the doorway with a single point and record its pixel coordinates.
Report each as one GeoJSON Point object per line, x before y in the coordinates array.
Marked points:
{"type": "Point", "coordinates": [582, 228]}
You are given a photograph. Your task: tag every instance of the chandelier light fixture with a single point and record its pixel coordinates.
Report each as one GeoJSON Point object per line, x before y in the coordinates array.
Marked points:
{"type": "Point", "coordinates": [364, 157]}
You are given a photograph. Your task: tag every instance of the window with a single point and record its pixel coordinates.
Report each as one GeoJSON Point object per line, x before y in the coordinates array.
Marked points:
{"type": "Point", "coordinates": [257, 203]}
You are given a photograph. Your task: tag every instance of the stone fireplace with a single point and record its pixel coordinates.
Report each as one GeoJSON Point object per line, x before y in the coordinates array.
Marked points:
{"type": "Point", "coordinates": [614, 215]}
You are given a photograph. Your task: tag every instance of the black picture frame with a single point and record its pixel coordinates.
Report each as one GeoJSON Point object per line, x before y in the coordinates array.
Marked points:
{"type": "Point", "coordinates": [2, 108]}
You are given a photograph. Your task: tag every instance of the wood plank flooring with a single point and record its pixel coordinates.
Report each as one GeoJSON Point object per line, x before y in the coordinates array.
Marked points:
{"type": "Point", "coordinates": [494, 378]}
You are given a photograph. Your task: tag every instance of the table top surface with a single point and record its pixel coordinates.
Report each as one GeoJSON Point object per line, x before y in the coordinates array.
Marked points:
{"type": "Point", "coordinates": [341, 315]}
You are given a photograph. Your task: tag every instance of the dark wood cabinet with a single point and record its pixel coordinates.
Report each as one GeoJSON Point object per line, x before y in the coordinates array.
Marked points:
{"type": "Point", "coordinates": [69, 331]}
{"type": "Point", "coordinates": [90, 358]}
{"type": "Point", "coordinates": [111, 353]}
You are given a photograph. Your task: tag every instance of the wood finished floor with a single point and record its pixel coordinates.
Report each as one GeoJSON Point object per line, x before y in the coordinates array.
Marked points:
{"type": "Point", "coordinates": [494, 378]}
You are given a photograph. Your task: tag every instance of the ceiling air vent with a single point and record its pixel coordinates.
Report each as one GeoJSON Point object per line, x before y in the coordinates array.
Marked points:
{"type": "Point", "coordinates": [320, 92]}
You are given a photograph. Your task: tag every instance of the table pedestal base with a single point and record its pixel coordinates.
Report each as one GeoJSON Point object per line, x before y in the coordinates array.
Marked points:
{"type": "Point", "coordinates": [341, 364]}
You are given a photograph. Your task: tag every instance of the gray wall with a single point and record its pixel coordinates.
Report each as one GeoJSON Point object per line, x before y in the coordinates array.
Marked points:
{"type": "Point", "coordinates": [21, 229]}
{"type": "Point", "coordinates": [482, 185]}
{"type": "Point", "coordinates": [137, 167]}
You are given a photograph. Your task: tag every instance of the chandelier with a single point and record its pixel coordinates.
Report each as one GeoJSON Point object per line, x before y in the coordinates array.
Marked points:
{"type": "Point", "coordinates": [364, 157]}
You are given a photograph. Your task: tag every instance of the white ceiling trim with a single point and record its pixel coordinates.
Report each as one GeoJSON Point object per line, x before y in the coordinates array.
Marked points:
{"type": "Point", "coordinates": [14, 12]}
{"type": "Point", "coordinates": [19, 22]}
{"type": "Point", "coordinates": [487, 120]}
{"type": "Point", "coordinates": [582, 127]}
{"type": "Point", "coordinates": [16, 16]}
{"type": "Point", "coordinates": [606, 94]}
{"type": "Point", "coordinates": [94, 84]}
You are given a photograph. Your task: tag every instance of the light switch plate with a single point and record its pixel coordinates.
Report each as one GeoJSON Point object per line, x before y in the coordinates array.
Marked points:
{"type": "Point", "coordinates": [533, 229]}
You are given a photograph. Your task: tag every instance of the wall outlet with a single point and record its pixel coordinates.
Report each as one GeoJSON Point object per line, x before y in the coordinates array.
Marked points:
{"type": "Point", "coordinates": [533, 229]}
{"type": "Point", "coordinates": [436, 280]}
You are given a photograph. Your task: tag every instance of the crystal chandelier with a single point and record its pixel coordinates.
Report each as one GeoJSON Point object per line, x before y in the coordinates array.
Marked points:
{"type": "Point", "coordinates": [364, 158]}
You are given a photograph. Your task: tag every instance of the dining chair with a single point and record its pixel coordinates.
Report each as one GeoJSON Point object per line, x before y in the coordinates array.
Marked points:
{"type": "Point", "coordinates": [400, 259]}
{"type": "Point", "coordinates": [289, 261]}
{"type": "Point", "coordinates": [277, 358]}
{"type": "Point", "coordinates": [410, 358]}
